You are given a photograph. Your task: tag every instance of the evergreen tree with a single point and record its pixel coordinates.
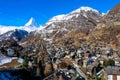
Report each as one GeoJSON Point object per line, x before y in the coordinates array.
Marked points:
{"type": "Point", "coordinates": [35, 60]}
{"type": "Point", "coordinates": [105, 63]}
{"type": "Point", "coordinates": [25, 63]}
{"type": "Point", "coordinates": [111, 62]}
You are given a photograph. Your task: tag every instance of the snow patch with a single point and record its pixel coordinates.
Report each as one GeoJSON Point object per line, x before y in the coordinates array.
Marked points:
{"type": "Point", "coordinates": [50, 31]}
{"type": "Point", "coordinates": [47, 39]}
{"type": "Point", "coordinates": [20, 60]}
{"type": "Point", "coordinates": [85, 15]}
{"type": "Point", "coordinates": [5, 60]}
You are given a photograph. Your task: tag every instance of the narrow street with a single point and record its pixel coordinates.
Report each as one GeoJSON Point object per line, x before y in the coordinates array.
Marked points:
{"type": "Point", "coordinates": [79, 71]}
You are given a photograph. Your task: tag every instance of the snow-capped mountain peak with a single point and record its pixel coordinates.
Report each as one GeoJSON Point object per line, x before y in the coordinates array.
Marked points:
{"type": "Point", "coordinates": [82, 11]}
{"type": "Point", "coordinates": [31, 23]}
{"type": "Point", "coordinates": [84, 8]}
{"type": "Point", "coordinates": [56, 18]}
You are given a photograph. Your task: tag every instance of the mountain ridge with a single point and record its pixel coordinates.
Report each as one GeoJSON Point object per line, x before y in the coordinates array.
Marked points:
{"type": "Point", "coordinates": [28, 27]}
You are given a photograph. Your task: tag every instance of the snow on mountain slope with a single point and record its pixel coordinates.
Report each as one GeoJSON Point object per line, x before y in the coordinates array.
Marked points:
{"type": "Point", "coordinates": [30, 26]}
{"type": "Point", "coordinates": [16, 35]}
{"type": "Point", "coordinates": [4, 29]}
{"type": "Point", "coordinates": [82, 17]}
{"type": "Point", "coordinates": [56, 18]}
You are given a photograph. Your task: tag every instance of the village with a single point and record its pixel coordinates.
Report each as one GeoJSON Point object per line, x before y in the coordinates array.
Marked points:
{"type": "Point", "coordinates": [50, 62]}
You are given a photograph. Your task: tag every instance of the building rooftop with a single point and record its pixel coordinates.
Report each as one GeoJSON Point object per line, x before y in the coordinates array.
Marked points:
{"type": "Point", "coordinates": [112, 70]}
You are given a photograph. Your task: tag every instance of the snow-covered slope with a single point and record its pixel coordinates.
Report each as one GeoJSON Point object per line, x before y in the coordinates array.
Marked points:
{"type": "Point", "coordinates": [56, 18]}
{"type": "Point", "coordinates": [84, 8]}
{"type": "Point", "coordinates": [18, 32]}
{"type": "Point", "coordinates": [4, 29]}
{"type": "Point", "coordinates": [16, 35]}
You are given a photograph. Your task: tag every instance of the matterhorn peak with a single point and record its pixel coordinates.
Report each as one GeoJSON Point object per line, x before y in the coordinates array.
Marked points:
{"type": "Point", "coordinates": [32, 23]}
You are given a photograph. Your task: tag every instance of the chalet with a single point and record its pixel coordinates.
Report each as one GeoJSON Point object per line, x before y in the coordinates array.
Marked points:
{"type": "Point", "coordinates": [4, 59]}
{"type": "Point", "coordinates": [112, 73]}
{"type": "Point", "coordinates": [117, 62]}
{"type": "Point", "coordinates": [10, 52]}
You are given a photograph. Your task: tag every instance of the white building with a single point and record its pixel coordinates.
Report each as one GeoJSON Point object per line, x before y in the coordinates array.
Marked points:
{"type": "Point", "coordinates": [10, 52]}
{"type": "Point", "coordinates": [112, 73]}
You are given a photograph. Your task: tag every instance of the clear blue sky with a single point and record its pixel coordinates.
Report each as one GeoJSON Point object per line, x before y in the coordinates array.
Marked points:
{"type": "Point", "coordinates": [18, 12]}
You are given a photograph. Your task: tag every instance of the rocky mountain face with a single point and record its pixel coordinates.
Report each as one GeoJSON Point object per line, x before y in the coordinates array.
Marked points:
{"type": "Point", "coordinates": [114, 14]}
{"type": "Point", "coordinates": [82, 18]}
{"type": "Point", "coordinates": [107, 30]}
{"type": "Point", "coordinates": [16, 35]}
{"type": "Point", "coordinates": [78, 18]}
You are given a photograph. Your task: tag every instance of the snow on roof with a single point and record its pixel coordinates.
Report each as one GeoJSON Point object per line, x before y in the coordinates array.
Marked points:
{"type": "Point", "coordinates": [5, 60]}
